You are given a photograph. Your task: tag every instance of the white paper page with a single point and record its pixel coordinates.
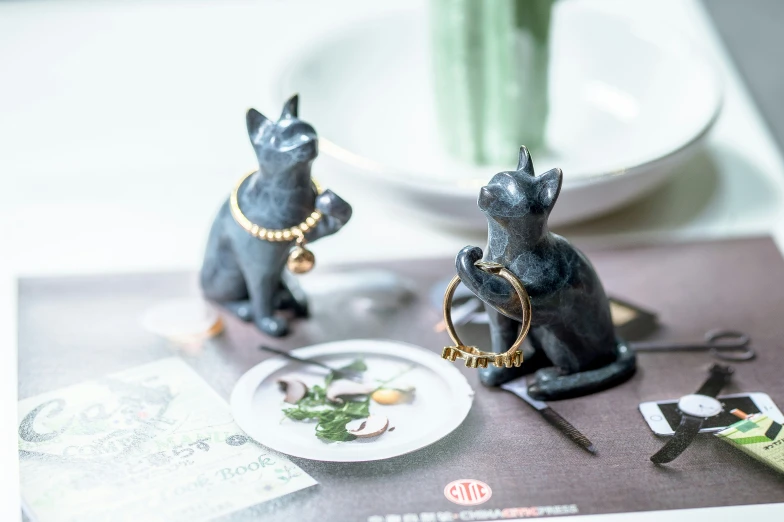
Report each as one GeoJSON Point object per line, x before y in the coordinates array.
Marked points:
{"type": "Point", "coordinates": [151, 443]}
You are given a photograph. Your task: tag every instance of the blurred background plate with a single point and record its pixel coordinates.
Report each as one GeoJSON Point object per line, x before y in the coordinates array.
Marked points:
{"type": "Point", "coordinates": [630, 102]}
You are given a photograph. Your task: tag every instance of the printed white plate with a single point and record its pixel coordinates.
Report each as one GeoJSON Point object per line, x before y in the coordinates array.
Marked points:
{"type": "Point", "coordinates": [442, 400]}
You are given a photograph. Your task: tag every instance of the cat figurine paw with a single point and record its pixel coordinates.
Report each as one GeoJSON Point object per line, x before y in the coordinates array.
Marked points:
{"type": "Point", "coordinates": [245, 274]}
{"type": "Point", "coordinates": [575, 348]}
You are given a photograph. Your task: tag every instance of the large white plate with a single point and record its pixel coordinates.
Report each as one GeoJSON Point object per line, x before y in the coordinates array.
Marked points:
{"type": "Point", "coordinates": [443, 399]}
{"type": "Point", "coordinates": [629, 102]}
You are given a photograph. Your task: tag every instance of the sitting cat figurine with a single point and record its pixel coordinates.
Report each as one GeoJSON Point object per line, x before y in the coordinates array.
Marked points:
{"type": "Point", "coordinates": [572, 333]}
{"type": "Point", "coordinates": [246, 274]}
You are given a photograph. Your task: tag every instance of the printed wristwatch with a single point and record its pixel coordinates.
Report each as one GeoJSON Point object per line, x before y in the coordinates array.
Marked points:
{"type": "Point", "coordinates": [694, 410]}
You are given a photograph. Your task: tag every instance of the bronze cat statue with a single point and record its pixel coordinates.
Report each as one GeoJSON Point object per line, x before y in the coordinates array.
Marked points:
{"type": "Point", "coordinates": [246, 274]}
{"type": "Point", "coordinates": [576, 351]}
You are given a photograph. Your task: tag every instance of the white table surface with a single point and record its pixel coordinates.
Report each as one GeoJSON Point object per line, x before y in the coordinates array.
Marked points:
{"type": "Point", "coordinates": [122, 129]}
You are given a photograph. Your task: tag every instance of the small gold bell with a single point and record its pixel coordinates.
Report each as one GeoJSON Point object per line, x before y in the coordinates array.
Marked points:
{"type": "Point", "coordinates": [301, 260]}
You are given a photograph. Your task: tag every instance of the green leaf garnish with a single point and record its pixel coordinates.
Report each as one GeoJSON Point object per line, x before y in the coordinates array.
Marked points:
{"type": "Point", "coordinates": [357, 365]}
{"type": "Point", "coordinates": [331, 418]}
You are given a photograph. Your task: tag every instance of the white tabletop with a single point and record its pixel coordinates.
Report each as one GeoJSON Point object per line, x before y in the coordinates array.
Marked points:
{"type": "Point", "coordinates": [122, 130]}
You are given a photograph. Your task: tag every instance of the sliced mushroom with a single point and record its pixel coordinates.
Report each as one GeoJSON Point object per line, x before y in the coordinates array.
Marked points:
{"type": "Point", "coordinates": [295, 390]}
{"type": "Point", "coordinates": [373, 426]}
{"type": "Point", "coordinates": [345, 388]}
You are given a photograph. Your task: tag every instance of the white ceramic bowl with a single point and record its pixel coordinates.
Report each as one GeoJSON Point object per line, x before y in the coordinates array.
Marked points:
{"type": "Point", "coordinates": [629, 102]}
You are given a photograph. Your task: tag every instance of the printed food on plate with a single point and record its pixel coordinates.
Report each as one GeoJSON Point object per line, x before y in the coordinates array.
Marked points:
{"type": "Point", "coordinates": [341, 407]}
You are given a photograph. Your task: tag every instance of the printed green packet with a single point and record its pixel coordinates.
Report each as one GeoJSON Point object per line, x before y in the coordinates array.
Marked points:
{"type": "Point", "coordinates": [760, 437]}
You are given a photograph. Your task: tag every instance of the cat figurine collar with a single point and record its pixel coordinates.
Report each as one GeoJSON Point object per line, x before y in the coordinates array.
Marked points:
{"type": "Point", "coordinates": [301, 260]}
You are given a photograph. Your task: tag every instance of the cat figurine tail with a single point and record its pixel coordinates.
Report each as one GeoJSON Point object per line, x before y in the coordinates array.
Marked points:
{"type": "Point", "coordinates": [576, 351]}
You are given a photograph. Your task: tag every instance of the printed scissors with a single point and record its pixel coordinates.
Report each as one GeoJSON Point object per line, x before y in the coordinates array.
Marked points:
{"type": "Point", "coordinates": [727, 345]}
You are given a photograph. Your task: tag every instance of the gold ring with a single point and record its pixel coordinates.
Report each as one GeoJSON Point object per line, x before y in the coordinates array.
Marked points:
{"type": "Point", "coordinates": [475, 358]}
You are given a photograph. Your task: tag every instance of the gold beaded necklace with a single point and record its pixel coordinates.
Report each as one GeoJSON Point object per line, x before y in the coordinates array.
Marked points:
{"type": "Point", "coordinates": [300, 259]}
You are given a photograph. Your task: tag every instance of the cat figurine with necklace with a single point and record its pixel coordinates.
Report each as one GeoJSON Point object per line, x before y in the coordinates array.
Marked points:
{"type": "Point", "coordinates": [263, 228]}
{"type": "Point", "coordinates": [575, 349]}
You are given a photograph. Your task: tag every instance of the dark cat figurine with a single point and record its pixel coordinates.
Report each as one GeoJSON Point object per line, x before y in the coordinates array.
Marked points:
{"type": "Point", "coordinates": [571, 330]}
{"type": "Point", "coordinates": [244, 273]}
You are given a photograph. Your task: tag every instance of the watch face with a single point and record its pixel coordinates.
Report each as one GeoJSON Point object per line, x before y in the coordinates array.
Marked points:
{"type": "Point", "coordinates": [699, 405]}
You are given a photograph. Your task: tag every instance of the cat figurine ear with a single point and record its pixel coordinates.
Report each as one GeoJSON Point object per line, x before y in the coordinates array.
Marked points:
{"type": "Point", "coordinates": [549, 187]}
{"type": "Point", "coordinates": [256, 122]}
{"type": "Point", "coordinates": [291, 108]}
{"type": "Point", "coordinates": [524, 163]}
{"type": "Point", "coordinates": [549, 182]}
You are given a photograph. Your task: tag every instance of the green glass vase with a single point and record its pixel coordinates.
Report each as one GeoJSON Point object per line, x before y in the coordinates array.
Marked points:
{"type": "Point", "coordinates": [490, 60]}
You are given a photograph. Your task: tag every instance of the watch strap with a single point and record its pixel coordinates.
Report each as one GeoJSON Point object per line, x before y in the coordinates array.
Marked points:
{"type": "Point", "coordinates": [684, 435]}
{"type": "Point", "coordinates": [718, 379]}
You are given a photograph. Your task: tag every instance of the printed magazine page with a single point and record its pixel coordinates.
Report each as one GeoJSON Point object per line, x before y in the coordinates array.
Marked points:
{"type": "Point", "coordinates": [138, 396]}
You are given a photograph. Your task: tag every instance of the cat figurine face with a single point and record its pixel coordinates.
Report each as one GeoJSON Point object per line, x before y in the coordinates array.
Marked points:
{"type": "Point", "coordinates": [520, 195]}
{"type": "Point", "coordinates": [283, 144]}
